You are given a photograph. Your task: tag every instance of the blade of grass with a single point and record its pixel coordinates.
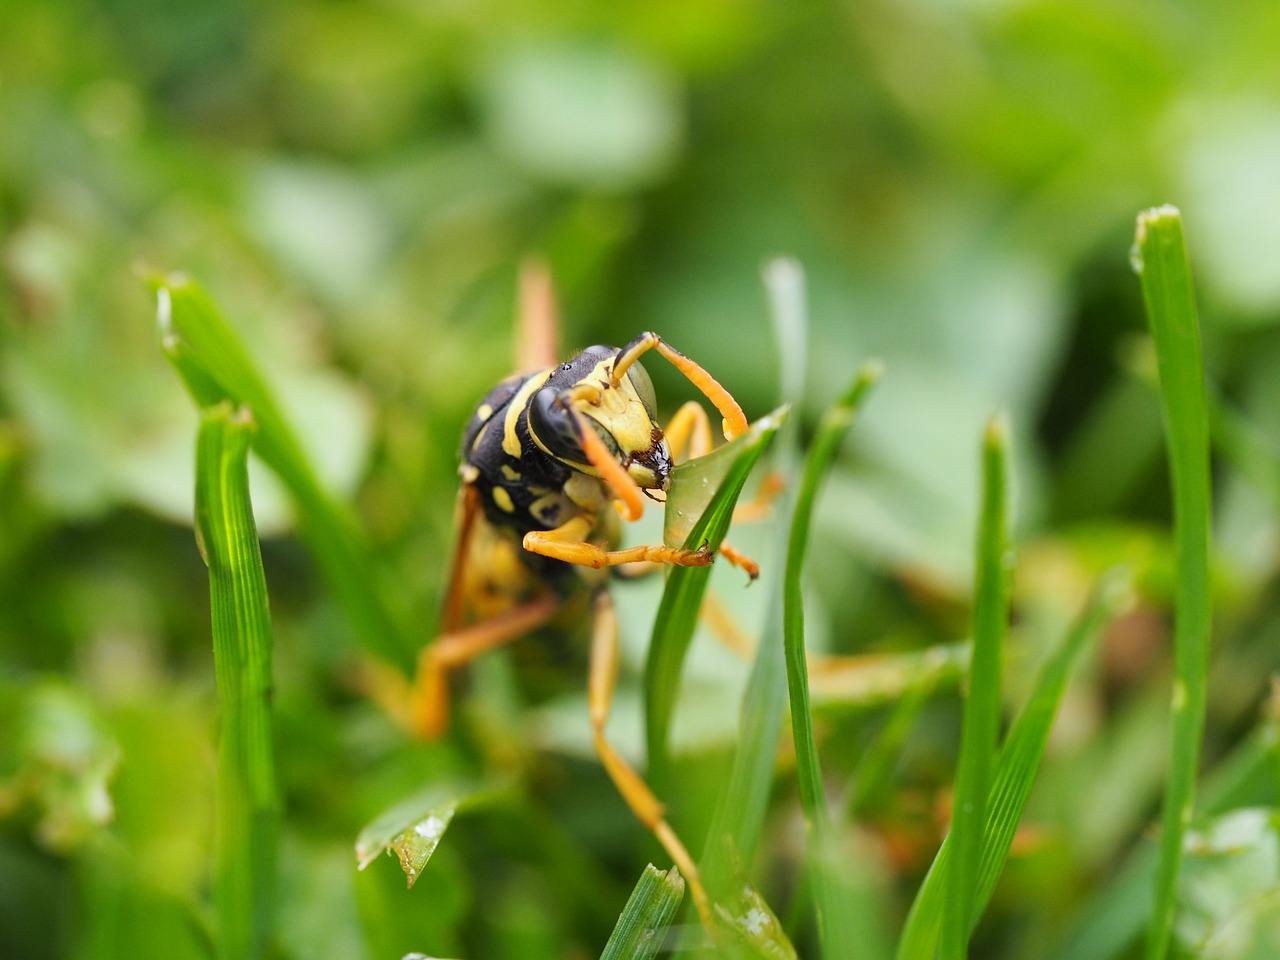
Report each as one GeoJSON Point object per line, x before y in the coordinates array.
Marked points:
{"type": "Point", "coordinates": [215, 366]}
{"type": "Point", "coordinates": [247, 806]}
{"type": "Point", "coordinates": [981, 724]}
{"type": "Point", "coordinates": [840, 930]}
{"type": "Point", "coordinates": [1162, 265]}
{"type": "Point", "coordinates": [677, 615]}
{"type": "Point", "coordinates": [874, 767]}
{"type": "Point", "coordinates": [1015, 772]}
{"type": "Point", "coordinates": [643, 924]}
{"type": "Point", "coordinates": [740, 810]}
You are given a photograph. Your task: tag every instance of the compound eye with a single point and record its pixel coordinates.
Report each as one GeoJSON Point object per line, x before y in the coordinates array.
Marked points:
{"type": "Point", "coordinates": [553, 427]}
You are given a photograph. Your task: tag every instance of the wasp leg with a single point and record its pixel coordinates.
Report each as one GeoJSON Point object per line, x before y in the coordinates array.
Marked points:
{"type": "Point", "coordinates": [537, 346]}
{"type": "Point", "coordinates": [468, 510]}
{"type": "Point", "coordinates": [689, 431]}
{"type": "Point", "coordinates": [761, 505]}
{"type": "Point", "coordinates": [427, 714]}
{"type": "Point", "coordinates": [735, 422]}
{"type": "Point", "coordinates": [568, 543]}
{"type": "Point", "coordinates": [647, 808]}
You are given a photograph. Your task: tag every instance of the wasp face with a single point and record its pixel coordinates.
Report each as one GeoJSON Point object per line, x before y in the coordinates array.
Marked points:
{"type": "Point", "coordinates": [622, 415]}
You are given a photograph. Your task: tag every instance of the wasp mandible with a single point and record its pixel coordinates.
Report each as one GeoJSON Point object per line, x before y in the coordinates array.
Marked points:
{"type": "Point", "coordinates": [552, 458]}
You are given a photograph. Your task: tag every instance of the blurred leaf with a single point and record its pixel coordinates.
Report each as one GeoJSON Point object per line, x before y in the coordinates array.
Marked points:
{"type": "Point", "coordinates": [750, 924]}
{"type": "Point", "coordinates": [595, 116]}
{"type": "Point", "coordinates": [1229, 892]}
{"type": "Point", "coordinates": [59, 757]}
{"type": "Point", "coordinates": [1233, 199]}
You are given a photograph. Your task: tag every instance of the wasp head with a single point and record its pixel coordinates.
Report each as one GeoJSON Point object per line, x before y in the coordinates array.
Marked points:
{"type": "Point", "coordinates": [580, 395]}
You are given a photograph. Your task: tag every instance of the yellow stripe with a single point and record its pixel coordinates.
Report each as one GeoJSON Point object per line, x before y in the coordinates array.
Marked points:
{"type": "Point", "coordinates": [503, 500]}
{"type": "Point", "coordinates": [511, 442]}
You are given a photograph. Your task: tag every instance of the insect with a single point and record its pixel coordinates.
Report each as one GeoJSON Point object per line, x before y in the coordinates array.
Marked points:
{"type": "Point", "coordinates": [552, 459]}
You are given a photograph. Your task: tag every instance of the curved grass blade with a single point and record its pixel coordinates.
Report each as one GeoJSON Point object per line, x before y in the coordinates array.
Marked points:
{"type": "Point", "coordinates": [740, 810]}
{"type": "Point", "coordinates": [215, 367]}
{"type": "Point", "coordinates": [642, 925]}
{"type": "Point", "coordinates": [1014, 775]}
{"type": "Point", "coordinates": [247, 806]}
{"type": "Point", "coordinates": [981, 725]}
{"type": "Point", "coordinates": [1161, 262]}
{"type": "Point", "coordinates": [677, 616]}
{"type": "Point", "coordinates": [839, 928]}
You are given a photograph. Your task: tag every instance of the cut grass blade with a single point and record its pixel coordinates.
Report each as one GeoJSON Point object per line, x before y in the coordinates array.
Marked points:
{"type": "Point", "coordinates": [413, 828]}
{"type": "Point", "coordinates": [1161, 262]}
{"type": "Point", "coordinates": [838, 926]}
{"type": "Point", "coordinates": [215, 367]}
{"type": "Point", "coordinates": [677, 615]}
{"type": "Point", "coordinates": [247, 806]}
{"type": "Point", "coordinates": [643, 924]}
{"type": "Point", "coordinates": [981, 724]}
{"type": "Point", "coordinates": [1014, 775]}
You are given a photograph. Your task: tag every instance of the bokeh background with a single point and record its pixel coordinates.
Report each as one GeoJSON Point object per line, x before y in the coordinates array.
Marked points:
{"type": "Point", "coordinates": [356, 182]}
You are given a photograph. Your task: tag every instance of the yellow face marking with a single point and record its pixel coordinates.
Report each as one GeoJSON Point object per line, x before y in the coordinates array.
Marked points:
{"type": "Point", "coordinates": [620, 411]}
{"type": "Point", "coordinates": [510, 472]}
{"type": "Point", "coordinates": [484, 411]}
{"type": "Point", "coordinates": [503, 500]}
{"type": "Point", "coordinates": [510, 441]}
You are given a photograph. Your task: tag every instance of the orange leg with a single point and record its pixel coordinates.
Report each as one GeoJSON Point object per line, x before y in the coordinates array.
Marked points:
{"type": "Point", "coordinates": [735, 422]}
{"type": "Point", "coordinates": [688, 431]}
{"type": "Point", "coordinates": [428, 699]}
{"type": "Point", "coordinates": [646, 807]}
{"type": "Point", "coordinates": [619, 481]}
{"type": "Point", "coordinates": [568, 543]}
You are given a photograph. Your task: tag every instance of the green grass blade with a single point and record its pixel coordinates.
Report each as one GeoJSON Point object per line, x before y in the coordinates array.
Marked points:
{"type": "Point", "coordinates": [837, 923]}
{"type": "Point", "coordinates": [642, 926]}
{"type": "Point", "coordinates": [740, 810]}
{"type": "Point", "coordinates": [1011, 784]}
{"type": "Point", "coordinates": [677, 615]}
{"type": "Point", "coordinates": [215, 367]}
{"type": "Point", "coordinates": [981, 725]}
{"type": "Point", "coordinates": [247, 806]}
{"type": "Point", "coordinates": [1165, 273]}
{"type": "Point", "coordinates": [875, 767]}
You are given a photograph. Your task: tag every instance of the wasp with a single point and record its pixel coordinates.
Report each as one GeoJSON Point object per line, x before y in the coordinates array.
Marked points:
{"type": "Point", "coordinates": [553, 459]}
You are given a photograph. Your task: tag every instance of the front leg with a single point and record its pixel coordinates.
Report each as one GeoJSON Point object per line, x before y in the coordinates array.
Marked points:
{"type": "Point", "coordinates": [569, 543]}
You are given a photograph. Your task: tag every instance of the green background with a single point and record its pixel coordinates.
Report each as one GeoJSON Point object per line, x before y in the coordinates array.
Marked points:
{"type": "Point", "coordinates": [356, 184]}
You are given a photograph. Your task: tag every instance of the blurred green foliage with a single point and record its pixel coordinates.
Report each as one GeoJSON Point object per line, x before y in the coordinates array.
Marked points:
{"type": "Point", "coordinates": [356, 181]}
